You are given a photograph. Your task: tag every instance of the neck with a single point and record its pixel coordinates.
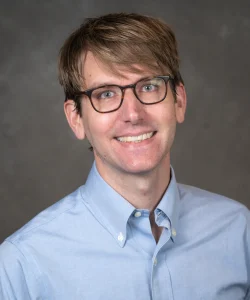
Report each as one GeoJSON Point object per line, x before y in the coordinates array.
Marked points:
{"type": "Point", "coordinates": [143, 191]}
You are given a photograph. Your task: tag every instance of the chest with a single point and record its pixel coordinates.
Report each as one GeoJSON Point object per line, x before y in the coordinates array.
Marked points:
{"type": "Point", "coordinates": [179, 272]}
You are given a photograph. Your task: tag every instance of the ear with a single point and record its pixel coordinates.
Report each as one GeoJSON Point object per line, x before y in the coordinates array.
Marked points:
{"type": "Point", "coordinates": [180, 103]}
{"type": "Point", "coordinates": [74, 119]}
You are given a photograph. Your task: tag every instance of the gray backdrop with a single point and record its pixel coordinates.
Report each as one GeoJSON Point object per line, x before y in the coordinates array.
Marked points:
{"type": "Point", "coordinates": [41, 161]}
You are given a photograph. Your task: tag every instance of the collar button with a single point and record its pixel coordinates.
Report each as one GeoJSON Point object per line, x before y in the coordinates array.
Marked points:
{"type": "Point", "coordinates": [137, 214]}
{"type": "Point", "coordinates": [120, 237]}
{"type": "Point", "coordinates": [174, 232]}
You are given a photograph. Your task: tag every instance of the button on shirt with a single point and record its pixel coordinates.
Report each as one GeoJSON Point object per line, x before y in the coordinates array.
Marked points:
{"type": "Point", "coordinates": [93, 244]}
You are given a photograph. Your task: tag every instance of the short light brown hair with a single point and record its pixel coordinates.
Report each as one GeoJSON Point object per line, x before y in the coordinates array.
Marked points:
{"type": "Point", "coordinates": [119, 39]}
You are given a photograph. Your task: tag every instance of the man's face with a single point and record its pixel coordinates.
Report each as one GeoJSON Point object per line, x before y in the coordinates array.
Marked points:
{"type": "Point", "coordinates": [108, 132]}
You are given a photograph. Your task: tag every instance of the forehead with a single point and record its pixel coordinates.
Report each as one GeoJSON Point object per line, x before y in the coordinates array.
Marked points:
{"type": "Point", "coordinates": [95, 72]}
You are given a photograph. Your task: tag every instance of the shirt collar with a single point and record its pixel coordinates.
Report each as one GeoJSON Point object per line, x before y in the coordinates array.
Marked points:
{"type": "Point", "coordinates": [113, 211]}
{"type": "Point", "coordinates": [109, 207]}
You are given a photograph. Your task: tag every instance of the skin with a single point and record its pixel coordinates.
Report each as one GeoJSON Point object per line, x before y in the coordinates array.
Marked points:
{"type": "Point", "coordinates": [140, 172]}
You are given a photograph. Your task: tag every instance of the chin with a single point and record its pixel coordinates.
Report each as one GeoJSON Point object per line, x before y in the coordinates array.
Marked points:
{"type": "Point", "coordinates": [138, 168]}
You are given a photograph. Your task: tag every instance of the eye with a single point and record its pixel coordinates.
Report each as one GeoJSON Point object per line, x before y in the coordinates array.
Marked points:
{"type": "Point", "coordinates": [149, 87]}
{"type": "Point", "coordinates": [152, 85]}
{"type": "Point", "coordinates": [105, 95]}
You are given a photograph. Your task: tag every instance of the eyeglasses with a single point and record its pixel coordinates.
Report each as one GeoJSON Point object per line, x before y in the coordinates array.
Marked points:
{"type": "Point", "coordinates": [109, 98]}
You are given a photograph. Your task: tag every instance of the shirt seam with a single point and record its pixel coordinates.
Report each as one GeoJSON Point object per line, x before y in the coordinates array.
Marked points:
{"type": "Point", "coordinates": [22, 234]}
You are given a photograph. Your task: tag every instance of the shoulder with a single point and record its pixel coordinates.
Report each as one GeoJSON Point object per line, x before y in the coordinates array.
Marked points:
{"type": "Point", "coordinates": [212, 210]}
{"type": "Point", "coordinates": [21, 254]}
{"type": "Point", "coordinates": [190, 195]}
{"type": "Point", "coordinates": [51, 220]}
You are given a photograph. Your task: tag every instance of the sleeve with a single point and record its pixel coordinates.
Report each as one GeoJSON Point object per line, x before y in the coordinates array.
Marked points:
{"type": "Point", "coordinates": [18, 279]}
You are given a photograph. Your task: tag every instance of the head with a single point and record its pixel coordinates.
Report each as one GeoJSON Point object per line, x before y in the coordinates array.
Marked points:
{"type": "Point", "coordinates": [118, 40]}
{"type": "Point", "coordinates": [122, 49]}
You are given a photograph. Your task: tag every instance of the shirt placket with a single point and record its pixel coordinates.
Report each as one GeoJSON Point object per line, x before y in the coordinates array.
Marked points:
{"type": "Point", "coordinates": [161, 284]}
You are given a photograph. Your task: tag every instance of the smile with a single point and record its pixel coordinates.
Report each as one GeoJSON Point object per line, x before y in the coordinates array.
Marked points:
{"type": "Point", "coordinates": [135, 139]}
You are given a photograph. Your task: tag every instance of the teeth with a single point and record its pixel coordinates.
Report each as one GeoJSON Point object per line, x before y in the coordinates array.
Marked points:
{"type": "Point", "coordinates": [135, 139]}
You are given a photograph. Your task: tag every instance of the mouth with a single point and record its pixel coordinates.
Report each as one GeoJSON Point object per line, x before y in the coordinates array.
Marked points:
{"type": "Point", "coordinates": [136, 139]}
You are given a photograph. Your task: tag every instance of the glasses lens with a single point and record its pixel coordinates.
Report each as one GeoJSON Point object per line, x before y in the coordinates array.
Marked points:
{"type": "Point", "coordinates": [151, 90]}
{"type": "Point", "coordinates": [106, 98]}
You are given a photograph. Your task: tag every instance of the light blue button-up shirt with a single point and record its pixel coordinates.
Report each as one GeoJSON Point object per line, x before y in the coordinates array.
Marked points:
{"type": "Point", "coordinates": [94, 245]}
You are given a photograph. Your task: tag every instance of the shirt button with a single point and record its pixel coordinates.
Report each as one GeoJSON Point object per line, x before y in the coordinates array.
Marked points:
{"type": "Point", "coordinates": [155, 262]}
{"type": "Point", "coordinates": [120, 237]}
{"type": "Point", "coordinates": [174, 232]}
{"type": "Point", "coordinates": [137, 214]}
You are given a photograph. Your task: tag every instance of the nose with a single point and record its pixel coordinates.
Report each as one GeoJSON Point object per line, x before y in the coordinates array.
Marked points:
{"type": "Point", "coordinates": [132, 110]}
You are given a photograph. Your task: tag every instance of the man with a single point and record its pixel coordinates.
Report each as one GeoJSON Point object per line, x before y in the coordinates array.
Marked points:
{"type": "Point", "coordinates": [131, 232]}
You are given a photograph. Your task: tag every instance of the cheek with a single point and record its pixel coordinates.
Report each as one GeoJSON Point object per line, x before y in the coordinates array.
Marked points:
{"type": "Point", "coordinates": [166, 115]}
{"type": "Point", "coordinates": [98, 126]}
